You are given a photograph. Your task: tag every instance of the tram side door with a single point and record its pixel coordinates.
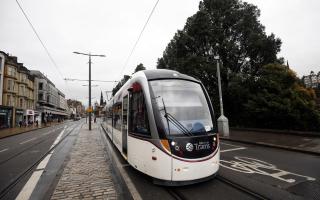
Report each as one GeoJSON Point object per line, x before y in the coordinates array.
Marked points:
{"type": "Point", "coordinates": [125, 111]}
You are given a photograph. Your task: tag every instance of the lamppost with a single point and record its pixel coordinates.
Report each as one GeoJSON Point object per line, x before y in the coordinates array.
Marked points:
{"type": "Point", "coordinates": [223, 123]}
{"type": "Point", "coordinates": [90, 107]}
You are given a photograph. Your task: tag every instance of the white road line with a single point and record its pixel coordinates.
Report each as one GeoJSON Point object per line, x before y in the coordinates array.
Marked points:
{"type": "Point", "coordinates": [29, 186]}
{"type": "Point", "coordinates": [235, 149]}
{"type": "Point", "coordinates": [3, 150]}
{"type": "Point", "coordinates": [44, 162]}
{"type": "Point", "coordinates": [28, 140]}
{"type": "Point", "coordinates": [230, 144]}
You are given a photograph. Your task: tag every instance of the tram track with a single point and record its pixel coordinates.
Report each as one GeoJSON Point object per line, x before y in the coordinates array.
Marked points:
{"type": "Point", "coordinates": [42, 139]}
{"type": "Point", "coordinates": [178, 195]}
{"type": "Point", "coordinates": [240, 187]}
{"type": "Point", "coordinates": [29, 169]}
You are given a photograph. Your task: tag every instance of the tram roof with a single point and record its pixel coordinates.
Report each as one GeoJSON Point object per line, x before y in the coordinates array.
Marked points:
{"type": "Point", "coordinates": [166, 74]}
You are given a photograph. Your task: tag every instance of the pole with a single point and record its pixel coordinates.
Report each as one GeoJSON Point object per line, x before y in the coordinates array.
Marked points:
{"type": "Point", "coordinates": [89, 92]}
{"type": "Point", "coordinates": [223, 122]}
{"type": "Point", "coordinates": [219, 85]}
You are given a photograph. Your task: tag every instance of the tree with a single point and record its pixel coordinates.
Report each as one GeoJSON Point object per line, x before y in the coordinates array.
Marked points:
{"type": "Point", "coordinates": [230, 29]}
{"type": "Point", "coordinates": [120, 84]}
{"type": "Point", "coordinates": [277, 100]}
{"type": "Point", "coordinates": [139, 67]}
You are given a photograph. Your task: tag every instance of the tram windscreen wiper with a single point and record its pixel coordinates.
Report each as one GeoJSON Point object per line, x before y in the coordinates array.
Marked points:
{"type": "Point", "coordinates": [174, 121]}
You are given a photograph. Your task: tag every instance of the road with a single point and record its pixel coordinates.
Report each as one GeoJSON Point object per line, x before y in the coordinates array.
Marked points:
{"type": "Point", "coordinates": [268, 172]}
{"type": "Point", "coordinates": [245, 170]}
{"type": "Point", "coordinates": [20, 152]}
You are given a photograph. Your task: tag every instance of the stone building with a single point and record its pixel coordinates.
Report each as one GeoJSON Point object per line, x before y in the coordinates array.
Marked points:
{"type": "Point", "coordinates": [312, 80]}
{"type": "Point", "coordinates": [17, 93]}
{"type": "Point", "coordinates": [49, 101]}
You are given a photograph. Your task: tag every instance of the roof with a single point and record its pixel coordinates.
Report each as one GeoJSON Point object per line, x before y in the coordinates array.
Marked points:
{"type": "Point", "coordinates": [166, 74]}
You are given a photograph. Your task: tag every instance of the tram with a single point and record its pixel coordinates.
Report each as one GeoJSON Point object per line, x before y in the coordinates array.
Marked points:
{"type": "Point", "coordinates": [162, 122]}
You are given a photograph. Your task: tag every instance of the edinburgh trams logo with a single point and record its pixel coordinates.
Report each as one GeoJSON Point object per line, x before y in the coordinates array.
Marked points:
{"type": "Point", "coordinates": [189, 147]}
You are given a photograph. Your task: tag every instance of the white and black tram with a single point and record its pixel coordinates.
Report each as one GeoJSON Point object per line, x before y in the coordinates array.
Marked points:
{"type": "Point", "coordinates": [162, 122]}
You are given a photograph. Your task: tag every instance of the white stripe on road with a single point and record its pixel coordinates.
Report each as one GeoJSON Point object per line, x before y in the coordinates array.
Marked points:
{"type": "Point", "coordinates": [230, 144]}
{"type": "Point", "coordinates": [44, 162]}
{"type": "Point", "coordinates": [28, 188]}
{"type": "Point", "coordinates": [28, 140]}
{"type": "Point", "coordinates": [3, 150]}
{"type": "Point", "coordinates": [235, 149]}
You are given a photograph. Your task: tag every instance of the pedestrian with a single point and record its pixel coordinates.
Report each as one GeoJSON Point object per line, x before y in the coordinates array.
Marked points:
{"type": "Point", "coordinates": [20, 123]}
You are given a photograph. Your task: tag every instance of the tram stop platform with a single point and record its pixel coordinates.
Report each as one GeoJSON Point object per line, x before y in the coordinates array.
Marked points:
{"type": "Point", "coordinates": [87, 174]}
{"type": "Point", "coordinates": [300, 142]}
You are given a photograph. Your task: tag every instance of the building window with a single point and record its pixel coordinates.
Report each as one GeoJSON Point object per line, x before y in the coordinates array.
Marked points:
{"type": "Point", "coordinates": [40, 86]}
{"type": "Point", "coordinates": [0, 64]}
{"type": "Point", "coordinates": [21, 103]}
{"type": "Point", "coordinates": [10, 85]}
{"type": "Point", "coordinates": [11, 71]}
{"type": "Point", "coordinates": [40, 96]}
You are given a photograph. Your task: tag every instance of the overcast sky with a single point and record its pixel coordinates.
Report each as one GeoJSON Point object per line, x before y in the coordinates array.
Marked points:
{"type": "Point", "coordinates": [112, 27]}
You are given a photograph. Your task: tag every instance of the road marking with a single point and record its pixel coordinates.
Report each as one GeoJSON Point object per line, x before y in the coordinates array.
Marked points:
{"type": "Point", "coordinates": [230, 144]}
{"type": "Point", "coordinates": [28, 140]}
{"type": "Point", "coordinates": [3, 150]}
{"type": "Point", "coordinates": [29, 186]}
{"type": "Point", "coordinates": [235, 149]}
{"type": "Point", "coordinates": [255, 166]}
{"type": "Point", "coordinates": [44, 162]}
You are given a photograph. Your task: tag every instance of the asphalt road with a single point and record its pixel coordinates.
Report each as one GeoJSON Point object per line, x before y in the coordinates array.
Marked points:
{"type": "Point", "coordinates": [269, 172]}
{"type": "Point", "coordinates": [20, 152]}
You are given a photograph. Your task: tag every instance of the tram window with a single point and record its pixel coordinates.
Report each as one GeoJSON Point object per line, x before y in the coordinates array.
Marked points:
{"type": "Point", "coordinates": [117, 115]}
{"type": "Point", "coordinates": [138, 114]}
{"type": "Point", "coordinates": [109, 116]}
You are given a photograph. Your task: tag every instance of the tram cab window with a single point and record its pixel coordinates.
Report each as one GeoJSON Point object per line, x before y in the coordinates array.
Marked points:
{"type": "Point", "coordinates": [139, 123]}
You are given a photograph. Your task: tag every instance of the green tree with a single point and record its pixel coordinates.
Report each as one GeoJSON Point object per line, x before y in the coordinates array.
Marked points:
{"type": "Point", "coordinates": [120, 84]}
{"type": "Point", "coordinates": [276, 99]}
{"type": "Point", "coordinates": [230, 29]}
{"type": "Point", "coordinates": [139, 67]}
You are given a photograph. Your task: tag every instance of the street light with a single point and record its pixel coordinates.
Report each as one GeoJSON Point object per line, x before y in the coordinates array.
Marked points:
{"type": "Point", "coordinates": [90, 107]}
{"type": "Point", "coordinates": [223, 123]}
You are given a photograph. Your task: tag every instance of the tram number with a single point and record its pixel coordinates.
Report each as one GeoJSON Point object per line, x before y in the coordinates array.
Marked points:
{"type": "Point", "coordinates": [252, 166]}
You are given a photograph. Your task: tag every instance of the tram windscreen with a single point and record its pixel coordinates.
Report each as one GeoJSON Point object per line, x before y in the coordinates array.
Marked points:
{"type": "Point", "coordinates": [183, 107]}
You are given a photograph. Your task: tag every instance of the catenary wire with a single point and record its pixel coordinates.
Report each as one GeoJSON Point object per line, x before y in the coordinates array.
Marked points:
{"type": "Point", "coordinates": [43, 45]}
{"type": "Point", "coordinates": [135, 44]}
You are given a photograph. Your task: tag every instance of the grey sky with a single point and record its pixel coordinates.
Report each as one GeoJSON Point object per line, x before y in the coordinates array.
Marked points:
{"type": "Point", "coordinates": [112, 27]}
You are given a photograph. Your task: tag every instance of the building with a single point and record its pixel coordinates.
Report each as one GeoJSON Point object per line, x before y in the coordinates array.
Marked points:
{"type": "Point", "coordinates": [76, 108]}
{"type": "Point", "coordinates": [312, 80]}
{"type": "Point", "coordinates": [49, 101]}
{"type": "Point", "coordinates": [17, 104]}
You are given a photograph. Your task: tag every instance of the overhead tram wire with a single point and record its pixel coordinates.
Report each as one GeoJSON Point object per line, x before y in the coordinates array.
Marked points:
{"type": "Point", "coordinates": [135, 44]}
{"type": "Point", "coordinates": [43, 45]}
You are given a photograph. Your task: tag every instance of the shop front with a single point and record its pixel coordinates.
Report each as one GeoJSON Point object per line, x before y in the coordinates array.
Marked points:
{"type": "Point", "coordinates": [5, 117]}
{"type": "Point", "coordinates": [18, 117]}
{"type": "Point", "coordinates": [29, 116]}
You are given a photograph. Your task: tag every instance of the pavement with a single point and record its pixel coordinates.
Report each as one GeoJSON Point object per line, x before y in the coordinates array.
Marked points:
{"type": "Point", "coordinates": [294, 142]}
{"type": "Point", "coordinates": [18, 130]}
{"type": "Point", "coordinates": [87, 174]}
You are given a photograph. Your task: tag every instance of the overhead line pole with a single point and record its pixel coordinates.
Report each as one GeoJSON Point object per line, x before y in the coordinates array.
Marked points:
{"type": "Point", "coordinates": [90, 107]}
